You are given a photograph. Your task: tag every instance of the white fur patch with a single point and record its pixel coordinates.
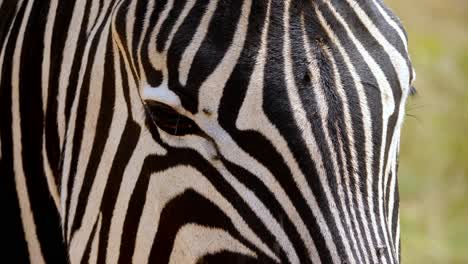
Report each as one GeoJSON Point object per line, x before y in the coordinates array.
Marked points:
{"type": "Point", "coordinates": [161, 94]}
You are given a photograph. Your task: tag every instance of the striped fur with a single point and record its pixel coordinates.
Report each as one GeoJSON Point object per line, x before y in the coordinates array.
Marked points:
{"type": "Point", "coordinates": [199, 131]}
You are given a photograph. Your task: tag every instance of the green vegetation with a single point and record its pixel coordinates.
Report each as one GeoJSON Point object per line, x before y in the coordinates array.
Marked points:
{"type": "Point", "coordinates": [434, 152]}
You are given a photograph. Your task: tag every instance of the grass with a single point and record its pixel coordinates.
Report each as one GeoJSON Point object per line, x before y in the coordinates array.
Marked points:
{"type": "Point", "coordinates": [434, 152]}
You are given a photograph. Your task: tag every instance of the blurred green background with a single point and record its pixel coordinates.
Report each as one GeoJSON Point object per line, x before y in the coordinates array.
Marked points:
{"type": "Point", "coordinates": [434, 151]}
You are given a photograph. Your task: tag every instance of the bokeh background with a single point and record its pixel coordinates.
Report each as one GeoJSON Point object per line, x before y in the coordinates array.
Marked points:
{"type": "Point", "coordinates": [434, 151]}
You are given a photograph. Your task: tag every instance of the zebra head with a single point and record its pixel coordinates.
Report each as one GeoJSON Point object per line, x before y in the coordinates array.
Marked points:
{"type": "Point", "coordinates": [271, 129]}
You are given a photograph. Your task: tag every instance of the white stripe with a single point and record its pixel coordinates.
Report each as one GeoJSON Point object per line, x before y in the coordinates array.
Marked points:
{"type": "Point", "coordinates": [91, 212]}
{"type": "Point", "coordinates": [365, 114]}
{"type": "Point", "coordinates": [397, 239]}
{"type": "Point", "coordinates": [77, 246]}
{"type": "Point", "coordinates": [253, 102]}
{"type": "Point", "coordinates": [130, 19]}
{"type": "Point", "coordinates": [262, 213]}
{"type": "Point", "coordinates": [209, 98]}
{"type": "Point", "coordinates": [400, 65]}
{"type": "Point", "coordinates": [27, 216]}
{"type": "Point", "coordinates": [231, 151]}
{"type": "Point", "coordinates": [156, 58]}
{"type": "Point", "coordinates": [146, 146]}
{"type": "Point", "coordinates": [195, 241]}
{"type": "Point", "coordinates": [192, 48]}
{"type": "Point", "coordinates": [187, 7]}
{"type": "Point", "coordinates": [3, 49]}
{"type": "Point", "coordinates": [49, 27]}
{"type": "Point", "coordinates": [93, 107]}
{"type": "Point", "coordinates": [92, 15]}
{"type": "Point", "coordinates": [391, 195]}
{"type": "Point", "coordinates": [53, 188]}
{"type": "Point", "coordinates": [166, 185]}
{"type": "Point", "coordinates": [129, 63]}
{"type": "Point", "coordinates": [95, 243]}
{"type": "Point", "coordinates": [322, 106]}
{"type": "Point", "coordinates": [65, 73]}
{"type": "Point", "coordinates": [73, 115]}
{"type": "Point", "coordinates": [392, 23]}
{"type": "Point", "coordinates": [149, 10]}
{"type": "Point", "coordinates": [304, 124]}
{"type": "Point", "coordinates": [212, 88]}
{"type": "Point", "coordinates": [388, 104]}
{"type": "Point", "coordinates": [3, 45]}
{"type": "Point", "coordinates": [351, 146]}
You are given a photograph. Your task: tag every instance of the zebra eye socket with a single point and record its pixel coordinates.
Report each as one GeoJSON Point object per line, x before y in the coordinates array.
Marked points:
{"type": "Point", "coordinates": [171, 121]}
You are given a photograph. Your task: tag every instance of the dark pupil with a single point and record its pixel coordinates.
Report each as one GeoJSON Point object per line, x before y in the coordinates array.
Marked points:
{"type": "Point", "coordinates": [169, 120]}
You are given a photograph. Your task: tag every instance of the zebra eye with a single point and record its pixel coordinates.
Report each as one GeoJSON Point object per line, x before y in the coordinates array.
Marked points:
{"type": "Point", "coordinates": [412, 90]}
{"type": "Point", "coordinates": [171, 121]}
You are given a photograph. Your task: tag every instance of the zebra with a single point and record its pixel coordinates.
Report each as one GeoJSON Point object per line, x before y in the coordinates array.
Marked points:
{"type": "Point", "coordinates": [174, 131]}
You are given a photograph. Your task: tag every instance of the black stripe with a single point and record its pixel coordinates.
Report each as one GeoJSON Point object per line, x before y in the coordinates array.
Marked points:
{"type": "Point", "coordinates": [140, 12]}
{"type": "Point", "coordinates": [382, 58]}
{"type": "Point", "coordinates": [127, 146]}
{"type": "Point", "coordinates": [258, 146]}
{"type": "Point", "coordinates": [7, 11]}
{"type": "Point", "coordinates": [13, 239]}
{"type": "Point", "coordinates": [76, 65]}
{"type": "Point", "coordinates": [182, 39]}
{"type": "Point", "coordinates": [227, 257]}
{"type": "Point", "coordinates": [32, 117]}
{"type": "Point", "coordinates": [153, 76]}
{"type": "Point", "coordinates": [357, 134]}
{"type": "Point", "coordinates": [188, 157]}
{"type": "Point", "coordinates": [102, 134]}
{"type": "Point", "coordinates": [375, 108]}
{"type": "Point", "coordinates": [81, 115]}
{"type": "Point", "coordinates": [120, 24]}
{"type": "Point", "coordinates": [89, 245]}
{"type": "Point", "coordinates": [169, 23]}
{"type": "Point", "coordinates": [213, 48]}
{"type": "Point", "coordinates": [187, 208]}
{"type": "Point", "coordinates": [59, 36]}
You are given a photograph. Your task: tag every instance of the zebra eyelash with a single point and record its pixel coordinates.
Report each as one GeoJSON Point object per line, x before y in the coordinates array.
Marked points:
{"type": "Point", "coordinates": [170, 121]}
{"type": "Point", "coordinates": [413, 91]}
